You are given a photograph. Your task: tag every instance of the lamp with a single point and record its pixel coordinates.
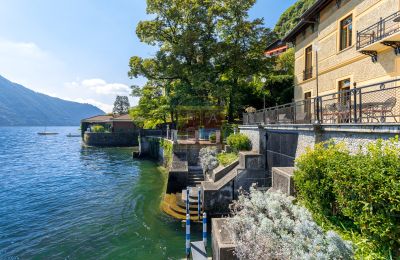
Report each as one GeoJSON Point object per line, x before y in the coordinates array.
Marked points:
{"type": "Point", "coordinates": [263, 80]}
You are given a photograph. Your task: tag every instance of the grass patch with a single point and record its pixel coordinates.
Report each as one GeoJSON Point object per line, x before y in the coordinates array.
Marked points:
{"type": "Point", "coordinates": [226, 158]}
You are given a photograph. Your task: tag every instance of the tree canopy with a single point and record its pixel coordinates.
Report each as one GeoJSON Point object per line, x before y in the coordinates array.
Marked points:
{"type": "Point", "coordinates": [121, 105]}
{"type": "Point", "coordinates": [209, 53]}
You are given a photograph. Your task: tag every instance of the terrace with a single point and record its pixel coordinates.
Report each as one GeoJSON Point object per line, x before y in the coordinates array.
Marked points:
{"type": "Point", "coordinates": [371, 104]}
{"type": "Point", "coordinates": [386, 32]}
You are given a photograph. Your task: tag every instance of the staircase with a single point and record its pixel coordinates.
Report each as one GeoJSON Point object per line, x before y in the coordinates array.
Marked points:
{"type": "Point", "coordinates": [195, 176]}
{"type": "Point", "coordinates": [175, 205]}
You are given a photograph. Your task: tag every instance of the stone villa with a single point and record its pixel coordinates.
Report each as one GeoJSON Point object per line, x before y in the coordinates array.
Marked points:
{"type": "Point", "coordinates": [338, 43]}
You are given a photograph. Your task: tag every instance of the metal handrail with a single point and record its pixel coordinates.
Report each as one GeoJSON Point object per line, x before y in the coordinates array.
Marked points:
{"type": "Point", "coordinates": [314, 109]}
{"type": "Point", "coordinates": [377, 31]}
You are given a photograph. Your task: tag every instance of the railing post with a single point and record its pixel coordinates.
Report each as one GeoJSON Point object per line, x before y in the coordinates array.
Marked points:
{"type": "Point", "coordinates": [360, 102]}
{"type": "Point", "coordinates": [187, 236]}
{"type": "Point", "coordinates": [317, 108]}
{"type": "Point", "coordinates": [264, 119]}
{"type": "Point", "coordinates": [355, 102]}
{"type": "Point", "coordinates": [294, 112]}
{"type": "Point", "coordinates": [205, 229]}
{"type": "Point", "coordinates": [198, 203]}
{"type": "Point", "coordinates": [187, 200]}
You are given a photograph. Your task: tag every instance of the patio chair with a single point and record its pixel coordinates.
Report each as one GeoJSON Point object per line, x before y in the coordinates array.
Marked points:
{"type": "Point", "coordinates": [387, 108]}
{"type": "Point", "coordinates": [329, 112]}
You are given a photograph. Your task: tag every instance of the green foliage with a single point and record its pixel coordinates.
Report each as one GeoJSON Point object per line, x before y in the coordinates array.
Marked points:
{"type": "Point", "coordinates": [208, 52]}
{"type": "Point", "coordinates": [98, 129]}
{"type": "Point", "coordinates": [239, 142]}
{"type": "Point", "coordinates": [359, 193]}
{"type": "Point", "coordinates": [212, 137]}
{"type": "Point", "coordinates": [168, 149]}
{"type": "Point", "coordinates": [227, 129]}
{"type": "Point", "coordinates": [226, 158]}
{"type": "Point", "coordinates": [285, 62]}
{"type": "Point", "coordinates": [121, 105]}
{"type": "Point", "coordinates": [291, 17]}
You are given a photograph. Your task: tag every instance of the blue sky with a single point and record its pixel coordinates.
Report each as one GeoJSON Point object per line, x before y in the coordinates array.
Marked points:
{"type": "Point", "coordinates": [79, 49]}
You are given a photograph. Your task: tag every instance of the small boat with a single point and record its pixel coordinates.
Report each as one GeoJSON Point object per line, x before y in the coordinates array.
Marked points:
{"type": "Point", "coordinates": [72, 135]}
{"type": "Point", "coordinates": [47, 133]}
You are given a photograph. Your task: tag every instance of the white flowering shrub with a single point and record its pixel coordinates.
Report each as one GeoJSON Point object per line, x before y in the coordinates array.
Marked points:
{"type": "Point", "coordinates": [267, 225]}
{"type": "Point", "coordinates": [208, 158]}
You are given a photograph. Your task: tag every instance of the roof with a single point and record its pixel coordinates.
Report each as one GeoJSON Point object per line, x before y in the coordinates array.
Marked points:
{"type": "Point", "coordinates": [307, 18]}
{"type": "Point", "coordinates": [125, 118]}
{"type": "Point", "coordinates": [108, 118]}
{"type": "Point", "coordinates": [97, 119]}
{"type": "Point", "coordinates": [276, 44]}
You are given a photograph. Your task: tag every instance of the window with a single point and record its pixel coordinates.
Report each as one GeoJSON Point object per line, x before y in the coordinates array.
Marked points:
{"type": "Point", "coordinates": [344, 102]}
{"type": "Point", "coordinates": [346, 32]}
{"type": "Point", "coordinates": [308, 63]}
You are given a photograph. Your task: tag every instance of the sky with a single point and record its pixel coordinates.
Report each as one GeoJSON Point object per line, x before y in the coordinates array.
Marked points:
{"type": "Point", "coordinates": [79, 50]}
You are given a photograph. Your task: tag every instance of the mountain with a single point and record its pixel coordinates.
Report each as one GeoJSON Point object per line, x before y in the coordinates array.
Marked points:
{"type": "Point", "coordinates": [20, 106]}
{"type": "Point", "coordinates": [290, 18]}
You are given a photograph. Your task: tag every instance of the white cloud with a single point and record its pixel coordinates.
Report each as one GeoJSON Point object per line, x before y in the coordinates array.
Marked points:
{"type": "Point", "coordinates": [103, 106]}
{"type": "Point", "coordinates": [101, 87]}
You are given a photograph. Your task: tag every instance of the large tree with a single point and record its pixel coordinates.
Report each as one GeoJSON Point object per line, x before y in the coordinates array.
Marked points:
{"type": "Point", "coordinates": [121, 105]}
{"type": "Point", "coordinates": [208, 53]}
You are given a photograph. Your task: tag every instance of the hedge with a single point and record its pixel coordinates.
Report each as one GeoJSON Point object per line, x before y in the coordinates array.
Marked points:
{"type": "Point", "coordinates": [362, 189]}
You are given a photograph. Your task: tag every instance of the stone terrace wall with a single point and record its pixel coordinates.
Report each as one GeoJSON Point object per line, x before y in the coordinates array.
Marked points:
{"type": "Point", "coordinates": [111, 139]}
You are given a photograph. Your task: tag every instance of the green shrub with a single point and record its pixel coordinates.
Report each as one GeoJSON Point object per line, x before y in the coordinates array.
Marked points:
{"type": "Point", "coordinates": [239, 142]}
{"type": "Point", "coordinates": [212, 137]}
{"type": "Point", "coordinates": [359, 193]}
{"type": "Point", "coordinates": [313, 178]}
{"type": "Point", "coordinates": [226, 158]}
{"type": "Point", "coordinates": [98, 129]}
{"type": "Point", "coordinates": [167, 148]}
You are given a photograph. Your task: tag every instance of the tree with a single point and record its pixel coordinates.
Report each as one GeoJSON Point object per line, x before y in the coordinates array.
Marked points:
{"type": "Point", "coordinates": [208, 52]}
{"type": "Point", "coordinates": [121, 105]}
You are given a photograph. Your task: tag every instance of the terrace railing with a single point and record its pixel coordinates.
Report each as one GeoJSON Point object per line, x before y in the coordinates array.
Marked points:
{"type": "Point", "coordinates": [378, 31]}
{"type": "Point", "coordinates": [375, 103]}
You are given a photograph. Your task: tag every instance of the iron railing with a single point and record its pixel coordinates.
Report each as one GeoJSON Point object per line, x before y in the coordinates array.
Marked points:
{"type": "Point", "coordinates": [378, 31]}
{"type": "Point", "coordinates": [307, 73]}
{"type": "Point", "coordinates": [375, 103]}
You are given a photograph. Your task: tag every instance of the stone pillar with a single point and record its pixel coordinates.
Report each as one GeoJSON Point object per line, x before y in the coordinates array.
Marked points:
{"type": "Point", "coordinates": [175, 136]}
{"type": "Point", "coordinates": [196, 136]}
{"type": "Point", "coordinates": [218, 136]}
{"type": "Point", "coordinates": [167, 131]}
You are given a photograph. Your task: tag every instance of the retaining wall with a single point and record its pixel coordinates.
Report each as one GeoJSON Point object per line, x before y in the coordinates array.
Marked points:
{"type": "Point", "coordinates": [111, 139]}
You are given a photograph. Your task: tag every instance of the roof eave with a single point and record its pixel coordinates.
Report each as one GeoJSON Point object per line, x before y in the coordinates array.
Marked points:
{"type": "Point", "coordinates": [316, 7]}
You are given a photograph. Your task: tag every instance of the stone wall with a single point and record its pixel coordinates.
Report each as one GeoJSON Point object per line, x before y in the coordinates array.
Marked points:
{"type": "Point", "coordinates": [354, 136]}
{"type": "Point", "coordinates": [111, 139]}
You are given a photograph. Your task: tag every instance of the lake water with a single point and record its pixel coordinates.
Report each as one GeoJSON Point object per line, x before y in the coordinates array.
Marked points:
{"type": "Point", "coordinates": [60, 200]}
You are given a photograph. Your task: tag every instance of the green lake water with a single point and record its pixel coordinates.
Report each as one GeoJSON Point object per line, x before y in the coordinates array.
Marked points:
{"type": "Point", "coordinates": [60, 200]}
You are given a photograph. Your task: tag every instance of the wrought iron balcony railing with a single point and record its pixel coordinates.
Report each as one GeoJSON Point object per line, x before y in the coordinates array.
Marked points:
{"type": "Point", "coordinates": [378, 31]}
{"type": "Point", "coordinates": [376, 103]}
{"type": "Point", "coordinates": [307, 73]}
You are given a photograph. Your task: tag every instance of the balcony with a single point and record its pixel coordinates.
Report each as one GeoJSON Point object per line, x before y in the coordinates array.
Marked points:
{"type": "Point", "coordinates": [372, 104]}
{"type": "Point", "coordinates": [378, 36]}
{"type": "Point", "coordinates": [307, 73]}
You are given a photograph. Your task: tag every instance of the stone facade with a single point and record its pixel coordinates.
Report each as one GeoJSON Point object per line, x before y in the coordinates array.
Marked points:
{"type": "Point", "coordinates": [335, 64]}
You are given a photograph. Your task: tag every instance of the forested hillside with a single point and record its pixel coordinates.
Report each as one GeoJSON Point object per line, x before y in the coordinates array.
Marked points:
{"type": "Point", "coordinates": [20, 106]}
{"type": "Point", "coordinates": [291, 17]}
